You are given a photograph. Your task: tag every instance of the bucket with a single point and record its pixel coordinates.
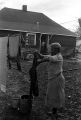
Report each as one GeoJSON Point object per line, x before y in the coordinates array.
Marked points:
{"type": "Point", "coordinates": [15, 103]}
{"type": "Point", "coordinates": [25, 104]}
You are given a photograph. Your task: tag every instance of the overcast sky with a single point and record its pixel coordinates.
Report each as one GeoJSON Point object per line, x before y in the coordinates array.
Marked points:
{"type": "Point", "coordinates": [65, 12]}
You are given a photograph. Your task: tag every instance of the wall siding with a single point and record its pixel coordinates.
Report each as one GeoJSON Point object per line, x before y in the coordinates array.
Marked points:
{"type": "Point", "coordinates": [68, 43]}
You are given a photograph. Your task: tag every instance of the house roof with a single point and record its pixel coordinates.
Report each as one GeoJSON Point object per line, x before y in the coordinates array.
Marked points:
{"type": "Point", "coordinates": [19, 20]}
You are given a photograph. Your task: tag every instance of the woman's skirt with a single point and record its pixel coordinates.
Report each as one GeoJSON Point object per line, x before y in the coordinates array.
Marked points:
{"type": "Point", "coordinates": [55, 96]}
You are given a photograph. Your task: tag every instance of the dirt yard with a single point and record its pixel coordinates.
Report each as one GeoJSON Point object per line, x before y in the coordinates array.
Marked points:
{"type": "Point", "coordinates": [17, 85]}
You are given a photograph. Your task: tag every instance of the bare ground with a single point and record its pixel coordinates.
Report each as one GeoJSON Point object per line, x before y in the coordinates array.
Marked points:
{"type": "Point", "coordinates": [17, 85]}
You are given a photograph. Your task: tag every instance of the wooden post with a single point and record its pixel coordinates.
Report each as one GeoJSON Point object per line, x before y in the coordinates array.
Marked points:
{"type": "Point", "coordinates": [40, 41]}
{"type": "Point", "coordinates": [47, 43]}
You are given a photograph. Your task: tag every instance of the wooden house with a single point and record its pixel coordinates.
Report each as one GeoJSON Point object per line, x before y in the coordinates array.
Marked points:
{"type": "Point", "coordinates": [35, 28]}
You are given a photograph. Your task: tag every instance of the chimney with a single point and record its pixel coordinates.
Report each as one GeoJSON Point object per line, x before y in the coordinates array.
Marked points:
{"type": "Point", "coordinates": [24, 8]}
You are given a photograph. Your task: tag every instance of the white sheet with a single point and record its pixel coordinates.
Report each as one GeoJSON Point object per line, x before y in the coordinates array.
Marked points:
{"type": "Point", "coordinates": [3, 63]}
{"type": "Point", "coordinates": [13, 45]}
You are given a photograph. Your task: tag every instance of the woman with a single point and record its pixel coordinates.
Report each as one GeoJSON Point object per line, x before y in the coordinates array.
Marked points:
{"type": "Point", "coordinates": [55, 96]}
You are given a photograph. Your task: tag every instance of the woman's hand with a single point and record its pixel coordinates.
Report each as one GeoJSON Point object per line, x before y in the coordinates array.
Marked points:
{"type": "Point", "coordinates": [39, 56]}
{"type": "Point", "coordinates": [38, 60]}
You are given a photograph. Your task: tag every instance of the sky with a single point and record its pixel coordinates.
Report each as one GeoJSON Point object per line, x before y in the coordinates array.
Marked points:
{"type": "Point", "coordinates": [64, 12]}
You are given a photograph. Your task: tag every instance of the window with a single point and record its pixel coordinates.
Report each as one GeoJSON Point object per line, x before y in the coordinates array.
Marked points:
{"type": "Point", "coordinates": [30, 39]}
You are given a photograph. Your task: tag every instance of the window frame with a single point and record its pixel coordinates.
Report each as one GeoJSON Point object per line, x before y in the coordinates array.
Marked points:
{"type": "Point", "coordinates": [34, 37]}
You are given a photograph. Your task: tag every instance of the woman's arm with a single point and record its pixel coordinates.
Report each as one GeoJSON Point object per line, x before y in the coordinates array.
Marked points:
{"type": "Point", "coordinates": [42, 58]}
{"type": "Point", "coordinates": [56, 58]}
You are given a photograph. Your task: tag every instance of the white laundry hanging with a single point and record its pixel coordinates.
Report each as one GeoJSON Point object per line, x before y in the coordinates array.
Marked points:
{"type": "Point", "coordinates": [13, 45]}
{"type": "Point", "coordinates": [3, 63]}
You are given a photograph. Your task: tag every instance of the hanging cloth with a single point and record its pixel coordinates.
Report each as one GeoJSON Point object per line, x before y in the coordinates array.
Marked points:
{"type": "Point", "coordinates": [33, 77]}
{"type": "Point", "coordinates": [14, 50]}
{"type": "Point", "coordinates": [13, 45]}
{"type": "Point", "coordinates": [3, 63]}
